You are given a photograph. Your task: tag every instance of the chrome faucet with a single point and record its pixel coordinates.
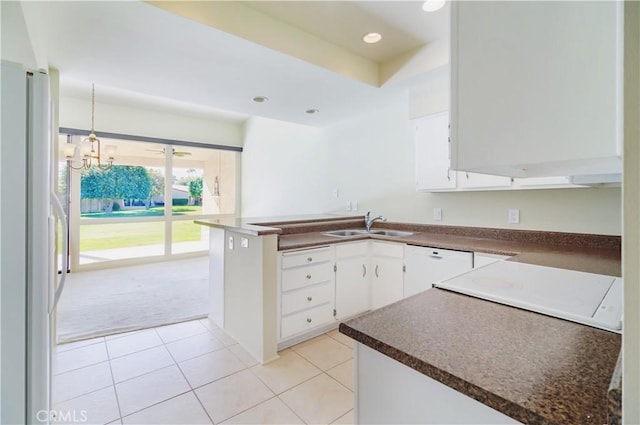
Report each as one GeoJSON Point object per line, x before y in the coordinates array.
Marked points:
{"type": "Point", "coordinates": [368, 221]}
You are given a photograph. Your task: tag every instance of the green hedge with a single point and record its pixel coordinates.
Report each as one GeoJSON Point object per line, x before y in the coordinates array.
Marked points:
{"type": "Point", "coordinates": [179, 202]}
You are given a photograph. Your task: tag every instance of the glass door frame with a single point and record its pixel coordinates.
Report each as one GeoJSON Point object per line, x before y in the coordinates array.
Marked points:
{"type": "Point", "coordinates": [74, 199]}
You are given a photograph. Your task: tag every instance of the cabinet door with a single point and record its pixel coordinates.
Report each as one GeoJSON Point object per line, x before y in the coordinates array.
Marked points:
{"type": "Point", "coordinates": [424, 266]}
{"type": "Point", "coordinates": [386, 281]}
{"type": "Point", "coordinates": [536, 87]}
{"type": "Point", "coordinates": [433, 170]}
{"type": "Point", "coordinates": [352, 286]}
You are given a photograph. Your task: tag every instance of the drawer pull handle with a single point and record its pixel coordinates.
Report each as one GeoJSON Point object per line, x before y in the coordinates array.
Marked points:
{"type": "Point", "coordinates": [364, 270]}
{"type": "Point", "coordinates": [377, 275]}
{"type": "Point", "coordinates": [308, 319]}
{"type": "Point", "coordinates": [309, 259]}
{"type": "Point", "coordinates": [309, 298]}
{"type": "Point", "coordinates": [308, 276]}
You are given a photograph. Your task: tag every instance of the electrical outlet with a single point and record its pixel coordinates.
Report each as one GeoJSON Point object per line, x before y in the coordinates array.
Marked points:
{"type": "Point", "coordinates": [336, 193]}
{"type": "Point", "coordinates": [437, 214]}
{"type": "Point", "coordinates": [354, 205]}
{"type": "Point", "coordinates": [244, 242]}
{"type": "Point", "coordinates": [514, 216]}
{"type": "Point", "coordinates": [348, 206]}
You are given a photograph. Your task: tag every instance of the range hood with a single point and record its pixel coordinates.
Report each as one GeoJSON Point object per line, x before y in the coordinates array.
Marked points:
{"type": "Point", "coordinates": [580, 167]}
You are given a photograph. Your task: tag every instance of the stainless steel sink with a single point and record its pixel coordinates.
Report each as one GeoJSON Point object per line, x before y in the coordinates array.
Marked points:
{"type": "Point", "coordinates": [397, 233]}
{"type": "Point", "coordinates": [359, 232]}
{"type": "Point", "coordinates": [345, 233]}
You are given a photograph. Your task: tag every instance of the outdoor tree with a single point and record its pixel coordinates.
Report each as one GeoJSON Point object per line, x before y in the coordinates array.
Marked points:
{"type": "Point", "coordinates": [120, 182]}
{"type": "Point", "coordinates": [157, 184]}
{"type": "Point", "coordinates": [195, 189]}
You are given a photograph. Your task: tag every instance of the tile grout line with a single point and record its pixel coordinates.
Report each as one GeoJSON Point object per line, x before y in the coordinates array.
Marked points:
{"type": "Point", "coordinates": [113, 380]}
{"type": "Point", "coordinates": [189, 383]}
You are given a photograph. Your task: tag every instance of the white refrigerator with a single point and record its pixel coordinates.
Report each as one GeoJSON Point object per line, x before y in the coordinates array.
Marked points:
{"type": "Point", "coordinates": [29, 210]}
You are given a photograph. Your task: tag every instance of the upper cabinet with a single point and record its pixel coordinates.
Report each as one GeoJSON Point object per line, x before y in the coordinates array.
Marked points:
{"type": "Point", "coordinates": [433, 169]}
{"type": "Point", "coordinates": [536, 88]}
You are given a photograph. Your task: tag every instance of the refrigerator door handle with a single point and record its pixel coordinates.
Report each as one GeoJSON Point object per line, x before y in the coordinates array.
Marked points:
{"type": "Point", "coordinates": [58, 210]}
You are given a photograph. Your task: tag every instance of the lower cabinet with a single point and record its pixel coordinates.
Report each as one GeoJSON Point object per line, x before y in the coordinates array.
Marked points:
{"type": "Point", "coordinates": [352, 279]}
{"type": "Point", "coordinates": [307, 290]}
{"type": "Point", "coordinates": [387, 277]}
{"type": "Point", "coordinates": [319, 286]}
{"type": "Point", "coordinates": [425, 265]}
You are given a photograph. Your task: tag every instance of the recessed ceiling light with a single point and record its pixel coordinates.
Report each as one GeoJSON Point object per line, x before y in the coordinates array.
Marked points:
{"type": "Point", "coordinates": [372, 37]}
{"type": "Point", "coordinates": [432, 5]}
{"type": "Point", "coordinates": [312, 111]}
{"type": "Point", "coordinates": [260, 99]}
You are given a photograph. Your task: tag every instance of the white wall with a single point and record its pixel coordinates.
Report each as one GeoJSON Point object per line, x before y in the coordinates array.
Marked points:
{"type": "Point", "coordinates": [138, 121]}
{"type": "Point", "coordinates": [15, 43]}
{"type": "Point", "coordinates": [284, 169]}
{"type": "Point", "coordinates": [290, 169]}
{"type": "Point", "coordinates": [372, 161]}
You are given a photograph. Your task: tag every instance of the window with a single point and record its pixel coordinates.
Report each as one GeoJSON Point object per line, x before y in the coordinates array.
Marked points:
{"type": "Point", "coordinates": [135, 211]}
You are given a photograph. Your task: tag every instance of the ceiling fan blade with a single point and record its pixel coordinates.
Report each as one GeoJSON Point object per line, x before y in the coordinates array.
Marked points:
{"type": "Point", "coordinates": [181, 153]}
{"type": "Point", "coordinates": [155, 150]}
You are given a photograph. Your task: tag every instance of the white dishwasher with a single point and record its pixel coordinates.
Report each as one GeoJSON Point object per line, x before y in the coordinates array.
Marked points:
{"type": "Point", "coordinates": [425, 265]}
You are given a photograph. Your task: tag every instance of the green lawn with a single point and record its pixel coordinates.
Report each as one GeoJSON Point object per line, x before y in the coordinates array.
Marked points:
{"type": "Point", "coordinates": [151, 212]}
{"type": "Point", "coordinates": [123, 235]}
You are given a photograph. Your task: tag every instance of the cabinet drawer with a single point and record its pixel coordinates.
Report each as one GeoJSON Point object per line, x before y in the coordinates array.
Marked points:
{"type": "Point", "coordinates": [306, 257]}
{"type": "Point", "coordinates": [306, 320]}
{"type": "Point", "coordinates": [305, 276]}
{"type": "Point", "coordinates": [360, 249]}
{"type": "Point", "coordinates": [395, 250]}
{"type": "Point", "coordinates": [307, 297]}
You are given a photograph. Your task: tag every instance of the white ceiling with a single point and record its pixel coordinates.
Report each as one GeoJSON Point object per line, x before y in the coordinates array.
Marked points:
{"type": "Point", "coordinates": [299, 54]}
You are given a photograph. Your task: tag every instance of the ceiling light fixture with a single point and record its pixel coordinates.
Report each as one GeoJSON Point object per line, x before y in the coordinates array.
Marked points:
{"type": "Point", "coordinates": [90, 148]}
{"type": "Point", "coordinates": [260, 99]}
{"type": "Point", "coordinates": [372, 37]}
{"type": "Point", "coordinates": [432, 5]}
{"type": "Point", "coordinates": [312, 111]}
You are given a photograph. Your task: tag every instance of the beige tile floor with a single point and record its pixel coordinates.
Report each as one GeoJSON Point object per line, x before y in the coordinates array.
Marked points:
{"type": "Point", "coordinates": [193, 373]}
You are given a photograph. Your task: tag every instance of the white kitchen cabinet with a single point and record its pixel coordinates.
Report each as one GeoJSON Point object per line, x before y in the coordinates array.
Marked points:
{"type": "Point", "coordinates": [536, 88]}
{"type": "Point", "coordinates": [433, 171]}
{"type": "Point", "coordinates": [425, 265]}
{"type": "Point", "coordinates": [387, 274]}
{"type": "Point", "coordinates": [352, 279]}
{"type": "Point", "coordinates": [307, 290]}
{"type": "Point", "coordinates": [389, 392]}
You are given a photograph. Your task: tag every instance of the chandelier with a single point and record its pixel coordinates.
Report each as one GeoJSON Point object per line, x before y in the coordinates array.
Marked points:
{"type": "Point", "coordinates": [90, 147]}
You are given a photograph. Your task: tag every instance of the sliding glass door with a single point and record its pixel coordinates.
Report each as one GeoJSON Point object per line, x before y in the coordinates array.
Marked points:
{"type": "Point", "coordinates": [142, 209]}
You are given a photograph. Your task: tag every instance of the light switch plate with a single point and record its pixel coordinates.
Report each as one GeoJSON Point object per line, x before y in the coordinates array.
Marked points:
{"type": "Point", "coordinates": [348, 206]}
{"type": "Point", "coordinates": [514, 216]}
{"type": "Point", "coordinates": [230, 243]}
{"type": "Point", "coordinates": [437, 214]}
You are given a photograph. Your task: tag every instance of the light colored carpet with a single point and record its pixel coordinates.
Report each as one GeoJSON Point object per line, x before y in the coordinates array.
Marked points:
{"type": "Point", "coordinates": [105, 302]}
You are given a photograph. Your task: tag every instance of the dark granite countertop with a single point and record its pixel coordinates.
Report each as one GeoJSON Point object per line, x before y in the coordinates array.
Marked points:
{"type": "Point", "coordinates": [259, 226]}
{"type": "Point", "coordinates": [589, 253]}
{"type": "Point", "coordinates": [533, 368]}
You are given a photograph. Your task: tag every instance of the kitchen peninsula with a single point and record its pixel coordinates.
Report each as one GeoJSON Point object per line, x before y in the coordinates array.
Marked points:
{"type": "Point", "coordinates": [528, 367]}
